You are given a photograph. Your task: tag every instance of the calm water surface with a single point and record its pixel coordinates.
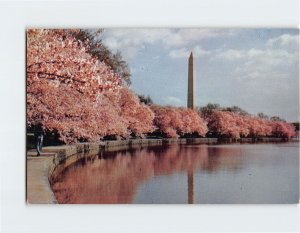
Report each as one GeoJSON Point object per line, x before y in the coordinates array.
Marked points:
{"type": "Point", "coordinates": [232, 173]}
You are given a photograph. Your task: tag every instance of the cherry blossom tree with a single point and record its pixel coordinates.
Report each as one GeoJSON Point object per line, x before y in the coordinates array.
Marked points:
{"type": "Point", "coordinates": [258, 127]}
{"type": "Point", "coordinates": [72, 114]}
{"type": "Point", "coordinates": [114, 60]}
{"type": "Point", "coordinates": [223, 123]}
{"type": "Point", "coordinates": [163, 120]}
{"type": "Point", "coordinates": [235, 125]}
{"type": "Point", "coordinates": [175, 122]}
{"type": "Point", "coordinates": [192, 122]}
{"type": "Point", "coordinates": [137, 116]}
{"type": "Point", "coordinates": [72, 92]}
{"type": "Point", "coordinates": [282, 129]}
{"type": "Point", "coordinates": [57, 56]}
{"type": "Point", "coordinates": [75, 94]}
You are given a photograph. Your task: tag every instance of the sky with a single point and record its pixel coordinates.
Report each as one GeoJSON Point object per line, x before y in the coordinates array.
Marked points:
{"type": "Point", "coordinates": [255, 69]}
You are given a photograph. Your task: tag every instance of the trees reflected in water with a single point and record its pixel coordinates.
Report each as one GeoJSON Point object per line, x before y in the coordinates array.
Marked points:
{"type": "Point", "coordinates": [115, 176]}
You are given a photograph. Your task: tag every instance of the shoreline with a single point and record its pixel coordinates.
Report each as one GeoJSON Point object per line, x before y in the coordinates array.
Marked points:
{"type": "Point", "coordinates": [43, 170]}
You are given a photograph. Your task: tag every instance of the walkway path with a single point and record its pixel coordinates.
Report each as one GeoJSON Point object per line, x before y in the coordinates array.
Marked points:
{"type": "Point", "coordinates": [38, 187]}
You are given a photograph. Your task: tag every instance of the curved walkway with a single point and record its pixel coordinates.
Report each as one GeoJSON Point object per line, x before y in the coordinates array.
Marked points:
{"type": "Point", "coordinates": [38, 187]}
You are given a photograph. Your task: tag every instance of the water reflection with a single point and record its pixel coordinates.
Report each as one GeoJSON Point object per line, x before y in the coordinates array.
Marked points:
{"type": "Point", "coordinates": [117, 177]}
{"type": "Point", "coordinates": [191, 195]}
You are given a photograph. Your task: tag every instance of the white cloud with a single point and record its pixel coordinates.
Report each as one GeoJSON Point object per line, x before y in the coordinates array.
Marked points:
{"type": "Point", "coordinates": [282, 48]}
{"type": "Point", "coordinates": [231, 55]}
{"type": "Point", "coordinates": [266, 63]}
{"type": "Point", "coordinates": [262, 74]}
{"type": "Point", "coordinates": [265, 77]}
{"type": "Point", "coordinates": [273, 60]}
{"type": "Point", "coordinates": [131, 41]}
{"type": "Point", "coordinates": [173, 101]}
{"type": "Point", "coordinates": [286, 41]}
{"type": "Point", "coordinates": [184, 52]}
{"type": "Point", "coordinates": [198, 51]}
{"type": "Point", "coordinates": [182, 37]}
{"type": "Point", "coordinates": [179, 53]}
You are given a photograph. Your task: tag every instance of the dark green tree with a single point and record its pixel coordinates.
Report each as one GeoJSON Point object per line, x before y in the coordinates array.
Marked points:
{"type": "Point", "coordinates": [262, 115]}
{"type": "Point", "coordinates": [277, 118]}
{"type": "Point", "coordinates": [296, 124]}
{"type": "Point", "coordinates": [145, 99]}
{"type": "Point", "coordinates": [207, 110]}
{"type": "Point", "coordinates": [236, 109]}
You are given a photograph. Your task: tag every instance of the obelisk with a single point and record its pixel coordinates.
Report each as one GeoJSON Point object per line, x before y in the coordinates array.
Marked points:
{"type": "Point", "coordinates": [191, 104]}
{"type": "Point", "coordinates": [191, 83]}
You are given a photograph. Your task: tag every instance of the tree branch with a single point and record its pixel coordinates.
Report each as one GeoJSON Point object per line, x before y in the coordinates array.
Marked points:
{"type": "Point", "coordinates": [56, 75]}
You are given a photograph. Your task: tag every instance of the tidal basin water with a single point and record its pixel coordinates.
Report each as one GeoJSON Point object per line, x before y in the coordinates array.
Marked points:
{"type": "Point", "coordinates": [178, 174]}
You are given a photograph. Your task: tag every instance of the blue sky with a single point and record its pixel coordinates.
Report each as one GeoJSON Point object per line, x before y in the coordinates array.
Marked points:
{"type": "Point", "coordinates": [256, 69]}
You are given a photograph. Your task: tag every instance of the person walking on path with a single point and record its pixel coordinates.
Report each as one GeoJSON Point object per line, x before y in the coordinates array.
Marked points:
{"type": "Point", "coordinates": [39, 141]}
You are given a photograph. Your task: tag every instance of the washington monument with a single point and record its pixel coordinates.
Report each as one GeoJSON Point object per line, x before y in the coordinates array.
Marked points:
{"type": "Point", "coordinates": [191, 102]}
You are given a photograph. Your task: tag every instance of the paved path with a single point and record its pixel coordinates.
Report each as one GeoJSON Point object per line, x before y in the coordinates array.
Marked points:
{"type": "Point", "coordinates": [38, 187]}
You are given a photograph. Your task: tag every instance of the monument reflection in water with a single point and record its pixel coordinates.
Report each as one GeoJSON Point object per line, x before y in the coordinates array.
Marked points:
{"type": "Point", "coordinates": [254, 173]}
